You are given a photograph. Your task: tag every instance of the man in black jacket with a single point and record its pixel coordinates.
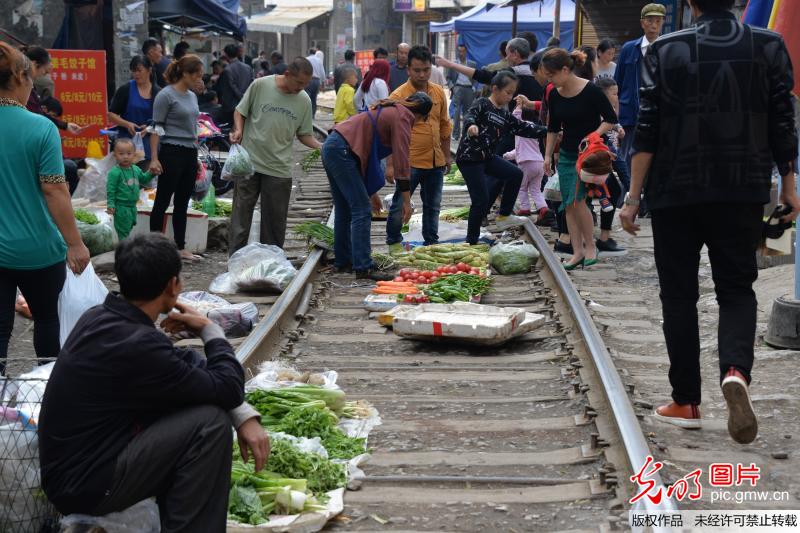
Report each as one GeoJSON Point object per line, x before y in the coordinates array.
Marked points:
{"type": "Point", "coordinates": [127, 416]}
{"type": "Point", "coordinates": [716, 113]}
{"type": "Point", "coordinates": [233, 82]}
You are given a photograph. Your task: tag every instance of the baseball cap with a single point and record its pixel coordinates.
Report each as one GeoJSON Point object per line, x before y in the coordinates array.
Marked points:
{"type": "Point", "coordinates": [654, 10]}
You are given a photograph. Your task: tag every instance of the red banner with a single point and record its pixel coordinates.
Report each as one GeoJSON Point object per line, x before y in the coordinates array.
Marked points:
{"type": "Point", "coordinates": [80, 85]}
{"type": "Point", "coordinates": [364, 59]}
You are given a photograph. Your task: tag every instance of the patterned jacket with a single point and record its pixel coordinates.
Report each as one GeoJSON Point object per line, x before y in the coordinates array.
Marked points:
{"type": "Point", "coordinates": [717, 111]}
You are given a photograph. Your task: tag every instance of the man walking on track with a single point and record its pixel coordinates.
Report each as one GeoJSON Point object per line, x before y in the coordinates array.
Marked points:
{"type": "Point", "coordinates": [273, 111]}
{"type": "Point", "coordinates": [429, 152]}
{"type": "Point", "coordinates": [707, 138]}
{"type": "Point", "coordinates": [461, 89]}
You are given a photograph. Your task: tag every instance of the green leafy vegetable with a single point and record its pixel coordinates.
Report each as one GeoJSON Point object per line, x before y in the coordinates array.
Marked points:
{"type": "Point", "coordinates": [455, 215]}
{"type": "Point", "coordinates": [86, 217]}
{"type": "Point", "coordinates": [309, 159]}
{"type": "Point", "coordinates": [454, 177]}
{"type": "Point", "coordinates": [457, 287]}
{"type": "Point", "coordinates": [513, 258]}
{"type": "Point", "coordinates": [224, 209]}
{"type": "Point", "coordinates": [316, 232]}
{"type": "Point", "coordinates": [310, 422]}
{"type": "Point", "coordinates": [321, 474]}
{"type": "Point", "coordinates": [276, 403]}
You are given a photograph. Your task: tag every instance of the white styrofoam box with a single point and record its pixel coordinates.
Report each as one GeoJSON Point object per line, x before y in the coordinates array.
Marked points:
{"type": "Point", "coordinates": [196, 227]}
{"type": "Point", "coordinates": [464, 322]}
{"type": "Point", "coordinates": [380, 302]}
{"type": "Point", "coordinates": [486, 324]}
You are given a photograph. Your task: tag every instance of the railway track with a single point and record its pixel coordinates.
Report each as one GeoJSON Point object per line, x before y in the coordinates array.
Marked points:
{"type": "Point", "coordinates": [535, 435]}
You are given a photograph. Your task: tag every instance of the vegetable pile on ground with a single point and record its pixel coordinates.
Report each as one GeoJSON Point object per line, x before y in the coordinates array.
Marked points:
{"type": "Point", "coordinates": [310, 411]}
{"type": "Point", "coordinates": [223, 209]}
{"type": "Point", "coordinates": [434, 256]}
{"type": "Point", "coordinates": [454, 177]}
{"type": "Point", "coordinates": [446, 284]}
{"type": "Point", "coordinates": [460, 287]}
{"type": "Point", "coordinates": [455, 215]}
{"type": "Point", "coordinates": [254, 496]}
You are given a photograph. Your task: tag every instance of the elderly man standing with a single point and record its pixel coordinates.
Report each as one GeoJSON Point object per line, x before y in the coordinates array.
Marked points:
{"type": "Point", "coordinates": [273, 111]}
{"type": "Point", "coordinates": [429, 152]}
{"type": "Point", "coordinates": [707, 139]}
{"type": "Point", "coordinates": [627, 74]}
{"type": "Point", "coordinates": [398, 74]}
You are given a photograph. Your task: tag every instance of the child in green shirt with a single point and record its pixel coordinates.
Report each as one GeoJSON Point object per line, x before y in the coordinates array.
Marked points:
{"type": "Point", "coordinates": [122, 187]}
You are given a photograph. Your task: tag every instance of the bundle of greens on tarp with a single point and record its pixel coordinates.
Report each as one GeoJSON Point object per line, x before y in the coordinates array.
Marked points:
{"type": "Point", "coordinates": [256, 495]}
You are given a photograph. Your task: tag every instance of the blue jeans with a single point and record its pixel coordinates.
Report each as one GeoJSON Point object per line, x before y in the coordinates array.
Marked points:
{"type": "Point", "coordinates": [478, 176]}
{"type": "Point", "coordinates": [431, 181]}
{"type": "Point", "coordinates": [353, 213]}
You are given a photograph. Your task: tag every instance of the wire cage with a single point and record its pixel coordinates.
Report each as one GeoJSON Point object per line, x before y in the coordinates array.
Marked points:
{"type": "Point", "coordinates": [24, 508]}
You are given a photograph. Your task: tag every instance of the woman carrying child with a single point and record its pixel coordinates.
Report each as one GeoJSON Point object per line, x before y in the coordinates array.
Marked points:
{"type": "Point", "coordinates": [485, 123]}
{"type": "Point", "coordinates": [577, 108]}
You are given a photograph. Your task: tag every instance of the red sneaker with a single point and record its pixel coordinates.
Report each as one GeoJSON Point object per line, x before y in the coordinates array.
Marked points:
{"type": "Point", "coordinates": [742, 421]}
{"type": "Point", "coordinates": [685, 416]}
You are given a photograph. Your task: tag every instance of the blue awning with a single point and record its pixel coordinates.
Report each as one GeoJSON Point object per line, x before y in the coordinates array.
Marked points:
{"type": "Point", "coordinates": [208, 15]}
{"type": "Point", "coordinates": [483, 32]}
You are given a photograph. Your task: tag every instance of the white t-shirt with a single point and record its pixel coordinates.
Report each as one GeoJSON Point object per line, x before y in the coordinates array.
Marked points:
{"type": "Point", "coordinates": [378, 90]}
{"type": "Point", "coordinates": [607, 72]}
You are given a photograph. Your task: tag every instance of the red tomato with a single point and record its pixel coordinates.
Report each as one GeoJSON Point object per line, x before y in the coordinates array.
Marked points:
{"type": "Point", "coordinates": [403, 272]}
{"type": "Point", "coordinates": [409, 298]}
{"type": "Point", "coordinates": [441, 269]}
{"type": "Point", "coordinates": [462, 267]}
{"type": "Point", "coordinates": [435, 277]}
{"type": "Point", "coordinates": [475, 271]}
{"type": "Point", "coordinates": [399, 279]}
{"type": "Point", "coordinates": [452, 269]}
{"type": "Point", "coordinates": [426, 273]}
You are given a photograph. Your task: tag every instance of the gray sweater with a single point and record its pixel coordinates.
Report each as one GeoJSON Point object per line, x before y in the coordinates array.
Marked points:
{"type": "Point", "coordinates": [177, 113]}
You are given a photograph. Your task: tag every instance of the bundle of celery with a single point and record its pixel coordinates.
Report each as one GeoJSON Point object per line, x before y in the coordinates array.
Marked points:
{"type": "Point", "coordinates": [256, 495]}
{"type": "Point", "coordinates": [274, 404]}
{"type": "Point", "coordinates": [309, 421]}
{"type": "Point", "coordinates": [309, 159]}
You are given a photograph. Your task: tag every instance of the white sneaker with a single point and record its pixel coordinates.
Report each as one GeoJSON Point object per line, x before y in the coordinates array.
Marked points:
{"type": "Point", "coordinates": [510, 221]}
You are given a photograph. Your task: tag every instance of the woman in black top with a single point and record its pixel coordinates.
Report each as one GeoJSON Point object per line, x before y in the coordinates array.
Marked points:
{"type": "Point", "coordinates": [577, 108]}
{"type": "Point", "coordinates": [485, 124]}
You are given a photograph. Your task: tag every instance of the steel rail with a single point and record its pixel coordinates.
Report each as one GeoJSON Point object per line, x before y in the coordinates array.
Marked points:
{"type": "Point", "coordinates": [631, 432]}
{"type": "Point", "coordinates": [268, 330]}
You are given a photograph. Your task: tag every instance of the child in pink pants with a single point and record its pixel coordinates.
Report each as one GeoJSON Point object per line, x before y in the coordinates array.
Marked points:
{"type": "Point", "coordinates": [529, 159]}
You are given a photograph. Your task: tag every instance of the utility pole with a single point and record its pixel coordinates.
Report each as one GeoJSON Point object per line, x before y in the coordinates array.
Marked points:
{"type": "Point", "coordinates": [514, 22]}
{"type": "Point", "coordinates": [557, 19]}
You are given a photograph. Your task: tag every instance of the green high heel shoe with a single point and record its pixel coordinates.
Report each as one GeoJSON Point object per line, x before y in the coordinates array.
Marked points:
{"type": "Point", "coordinates": [570, 267]}
{"type": "Point", "coordinates": [590, 262]}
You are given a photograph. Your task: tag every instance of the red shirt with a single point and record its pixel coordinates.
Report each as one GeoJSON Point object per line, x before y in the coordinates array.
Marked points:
{"type": "Point", "coordinates": [394, 130]}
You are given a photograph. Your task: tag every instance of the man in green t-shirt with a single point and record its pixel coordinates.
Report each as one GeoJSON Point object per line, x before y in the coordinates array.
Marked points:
{"type": "Point", "coordinates": [273, 111]}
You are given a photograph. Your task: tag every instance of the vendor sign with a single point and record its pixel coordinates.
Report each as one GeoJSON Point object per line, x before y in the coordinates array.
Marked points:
{"type": "Point", "coordinates": [79, 77]}
{"type": "Point", "coordinates": [364, 59]}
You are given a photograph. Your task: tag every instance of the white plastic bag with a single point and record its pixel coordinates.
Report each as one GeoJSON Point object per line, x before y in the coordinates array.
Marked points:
{"type": "Point", "coordinates": [93, 182]}
{"type": "Point", "coordinates": [138, 147]}
{"type": "Point", "coordinates": [552, 189]}
{"type": "Point", "coordinates": [259, 267]}
{"type": "Point", "coordinates": [238, 164]}
{"type": "Point", "coordinates": [142, 517]}
{"type": "Point", "coordinates": [78, 295]}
